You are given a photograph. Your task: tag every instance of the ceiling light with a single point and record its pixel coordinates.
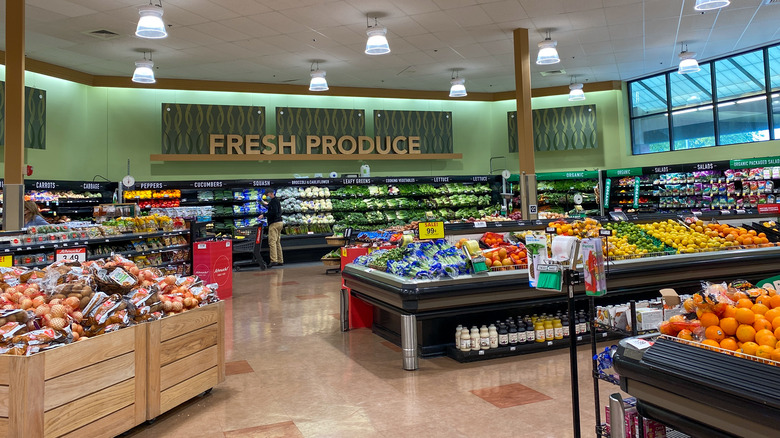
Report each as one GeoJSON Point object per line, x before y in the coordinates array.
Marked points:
{"type": "Point", "coordinates": [377, 39]}
{"type": "Point", "coordinates": [143, 73]}
{"type": "Point", "coordinates": [576, 93]}
{"type": "Point", "coordinates": [687, 62]}
{"type": "Point", "coordinates": [709, 5]}
{"type": "Point", "coordinates": [151, 25]}
{"type": "Point", "coordinates": [318, 81]}
{"type": "Point", "coordinates": [548, 54]}
{"type": "Point", "coordinates": [457, 87]}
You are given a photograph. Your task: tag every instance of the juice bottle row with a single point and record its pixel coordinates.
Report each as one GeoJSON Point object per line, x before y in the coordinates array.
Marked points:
{"type": "Point", "coordinates": [519, 331]}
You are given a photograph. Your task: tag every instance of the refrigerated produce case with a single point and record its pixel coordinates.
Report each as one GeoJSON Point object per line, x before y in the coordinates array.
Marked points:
{"type": "Point", "coordinates": [698, 391]}
{"type": "Point", "coordinates": [420, 314]}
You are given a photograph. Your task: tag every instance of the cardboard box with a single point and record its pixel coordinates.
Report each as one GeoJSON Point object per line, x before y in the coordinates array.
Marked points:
{"type": "Point", "coordinates": [672, 303]}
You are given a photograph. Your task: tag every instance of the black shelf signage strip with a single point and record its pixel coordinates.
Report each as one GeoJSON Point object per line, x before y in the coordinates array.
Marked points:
{"type": "Point", "coordinates": [70, 185]}
{"type": "Point", "coordinates": [267, 183]}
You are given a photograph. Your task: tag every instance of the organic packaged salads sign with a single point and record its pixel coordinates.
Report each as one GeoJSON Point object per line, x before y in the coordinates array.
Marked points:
{"type": "Point", "coordinates": [240, 132]}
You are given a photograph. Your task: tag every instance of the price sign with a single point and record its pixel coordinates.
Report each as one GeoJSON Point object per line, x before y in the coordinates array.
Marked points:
{"type": "Point", "coordinates": [431, 230]}
{"type": "Point", "coordinates": [71, 254]}
{"type": "Point", "coordinates": [480, 224]}
{"type": "Point", "coordinates": [551, 230]}
{"type": "Point", "coordinates": [605, 232]}
{"type": "Point", "coordinates": [533, 209]}
{"type": "Point", "coordinates": [6, 261]}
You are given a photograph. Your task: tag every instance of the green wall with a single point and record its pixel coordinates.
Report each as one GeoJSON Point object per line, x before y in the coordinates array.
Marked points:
{"type": "Point", "coordinates": [94, 131]}
{"type": "Point", "coordinates": [133, 123]}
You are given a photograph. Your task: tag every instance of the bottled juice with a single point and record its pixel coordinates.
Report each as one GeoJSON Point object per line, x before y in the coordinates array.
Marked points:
{"type": "Point", "coordinates": [549, 331]}
{"type": "Point", "coordinates": [558, 329]}
{"type": "Point", "coordinates": [539, 333]}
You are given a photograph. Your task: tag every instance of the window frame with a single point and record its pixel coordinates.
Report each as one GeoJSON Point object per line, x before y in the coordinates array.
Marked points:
{"type": "Point", "coordinates": [714, 103]}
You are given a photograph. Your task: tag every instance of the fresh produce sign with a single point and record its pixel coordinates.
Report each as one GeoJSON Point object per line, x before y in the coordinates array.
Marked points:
{"type": "Point", "coordinates": [234, 144]}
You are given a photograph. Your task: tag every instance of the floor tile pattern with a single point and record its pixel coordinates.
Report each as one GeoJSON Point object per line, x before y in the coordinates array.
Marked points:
{"type": "Point", "coordinates": [312, 380]}
{"type": "Point", "coordinates": [507, 396]}
{"type": "Point", "coordinates": [238, 367]}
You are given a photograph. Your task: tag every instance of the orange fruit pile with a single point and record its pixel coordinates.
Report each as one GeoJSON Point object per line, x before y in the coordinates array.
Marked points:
{"type": "Point", "coordinates": [750, 327]}
{"type": "Point", "coordinates": [738, 235]}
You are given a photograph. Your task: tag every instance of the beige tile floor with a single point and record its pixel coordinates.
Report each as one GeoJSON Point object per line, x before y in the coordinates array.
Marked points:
{"type": "Point", "coordinates": [292, 373]}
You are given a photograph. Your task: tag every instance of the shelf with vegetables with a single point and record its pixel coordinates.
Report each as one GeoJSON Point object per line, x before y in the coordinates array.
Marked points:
{"type": "Point", "coordinates": [64, 201]}
{"type": "Point", "coordinates": [150, 241]}
{"type": "Point", "coordinates": [563, 194]}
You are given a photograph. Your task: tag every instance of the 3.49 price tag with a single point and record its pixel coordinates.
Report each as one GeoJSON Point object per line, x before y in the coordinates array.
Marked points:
{"type": "Point", "coordinates": [71, 254]}
{"type": "Point", "coordinates": [431, 230]}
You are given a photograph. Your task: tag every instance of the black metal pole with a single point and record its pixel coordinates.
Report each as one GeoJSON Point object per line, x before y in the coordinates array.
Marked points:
{"type": "Point", "coordinates": [575, 394]}
{"type": "Point", "coordinates": [596, 396]}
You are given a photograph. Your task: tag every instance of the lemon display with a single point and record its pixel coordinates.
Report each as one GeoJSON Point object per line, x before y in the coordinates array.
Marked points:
{"type": "Point", "coordinates": [685, 239]}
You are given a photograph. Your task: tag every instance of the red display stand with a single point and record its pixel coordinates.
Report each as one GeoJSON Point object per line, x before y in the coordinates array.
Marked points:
{"type": "Point", "coordinates": [361, 314]}
{"type": "Point", "coordinates": [213, 262]}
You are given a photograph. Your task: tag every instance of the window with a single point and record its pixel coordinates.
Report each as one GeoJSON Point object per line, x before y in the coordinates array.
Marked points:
{"type": "Point", "coordinates": [774, 66]}
{"type": "Point", "coordinates": [729, 101]}
{"type": "Point", "coordinates": [693, 128]}
{"type": "Point", "coordinates": [743, 121]}
{"type": "Point", "coordinates": [651, 134]}
{"type": "Point", "coordinates": [648, 96]}
{"type": "Point", "coordinates": [741, 75]}
{"type": "Point", "coordinates": [776, 112]}
{"type": "Point", "coordinates": [692, 89]}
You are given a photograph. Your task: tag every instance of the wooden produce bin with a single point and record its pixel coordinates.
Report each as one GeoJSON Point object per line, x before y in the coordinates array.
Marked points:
{"type": "Point", "coordinates": [186, 357]}
{"type": "Point", "coordinates": [91, 388]}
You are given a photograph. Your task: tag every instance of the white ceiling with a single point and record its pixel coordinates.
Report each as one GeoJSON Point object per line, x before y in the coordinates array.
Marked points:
{"type": "Point", "coordinates": [273, 41]}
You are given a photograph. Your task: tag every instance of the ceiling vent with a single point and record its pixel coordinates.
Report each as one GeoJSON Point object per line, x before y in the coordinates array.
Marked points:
{"type": "Point", "coordinates": [102, 34]}
{"type": "Point", "coordinates": [553, 72]}
{"type": "Point", "coordinates": [772, 2]}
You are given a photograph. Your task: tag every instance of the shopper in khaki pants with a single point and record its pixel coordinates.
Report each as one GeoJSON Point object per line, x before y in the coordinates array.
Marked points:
{"type": "Point", "coordinates": [275, 225]}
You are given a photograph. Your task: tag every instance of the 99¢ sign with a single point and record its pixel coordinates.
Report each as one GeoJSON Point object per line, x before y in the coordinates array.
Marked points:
{"type": "Point", "coordinates": [431, 230]}
{"type": "Point", "coordinates": [71, 255]}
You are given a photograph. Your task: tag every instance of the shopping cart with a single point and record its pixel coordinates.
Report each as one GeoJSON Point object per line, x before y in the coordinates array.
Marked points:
{"type": "Point", "coordinates": [248, 240]}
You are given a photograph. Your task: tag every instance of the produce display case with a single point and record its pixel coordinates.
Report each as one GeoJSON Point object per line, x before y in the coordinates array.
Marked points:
{"type": "Point", "coordinates": [425, 311]}
{"type": "Point", "coordinates": [712, 186]}
{"type": "Point", "coordinates": [698, 391]}
{"type": "Point", "coordinates": [313, 208]}
{"type": "Point", "coordinates": [569, 193]}
{"type": "Point", "coordinates": [168, 250]}
{"type": "Point", "coordinates": [186, 356]}
{"type": "Point", "coordinates": [96, 388]}
{"type": "Point", "coordinates": [64, 201]}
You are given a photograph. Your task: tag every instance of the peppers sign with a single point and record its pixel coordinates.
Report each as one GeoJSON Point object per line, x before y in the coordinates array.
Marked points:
{"type": "Point", "coordinates": [431, 230]}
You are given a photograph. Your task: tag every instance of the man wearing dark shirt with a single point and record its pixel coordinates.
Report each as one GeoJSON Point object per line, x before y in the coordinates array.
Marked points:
{"type": "Point", "coordinates": [275, 225]}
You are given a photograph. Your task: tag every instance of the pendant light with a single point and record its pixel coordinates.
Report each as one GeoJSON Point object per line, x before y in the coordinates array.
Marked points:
{"type": "Point", "coordinates": [688, 63]}
{"type": "Point", "coordinates": [377, 39]}
{"type": "Point", "coordinates": [151, 25]}
{"type": "Point", "coordinates": [548, 54]}
{"type": "Point", "coordinates": [575, 91]}
{"type": "Point", "coordinates": [709, 5]}
{"type": "Point", "coordinates": [144, 73]}
{"type": "Point", "coordinates": [457, 85]}
{"type": "Point", "coordinates": [318, 81]}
